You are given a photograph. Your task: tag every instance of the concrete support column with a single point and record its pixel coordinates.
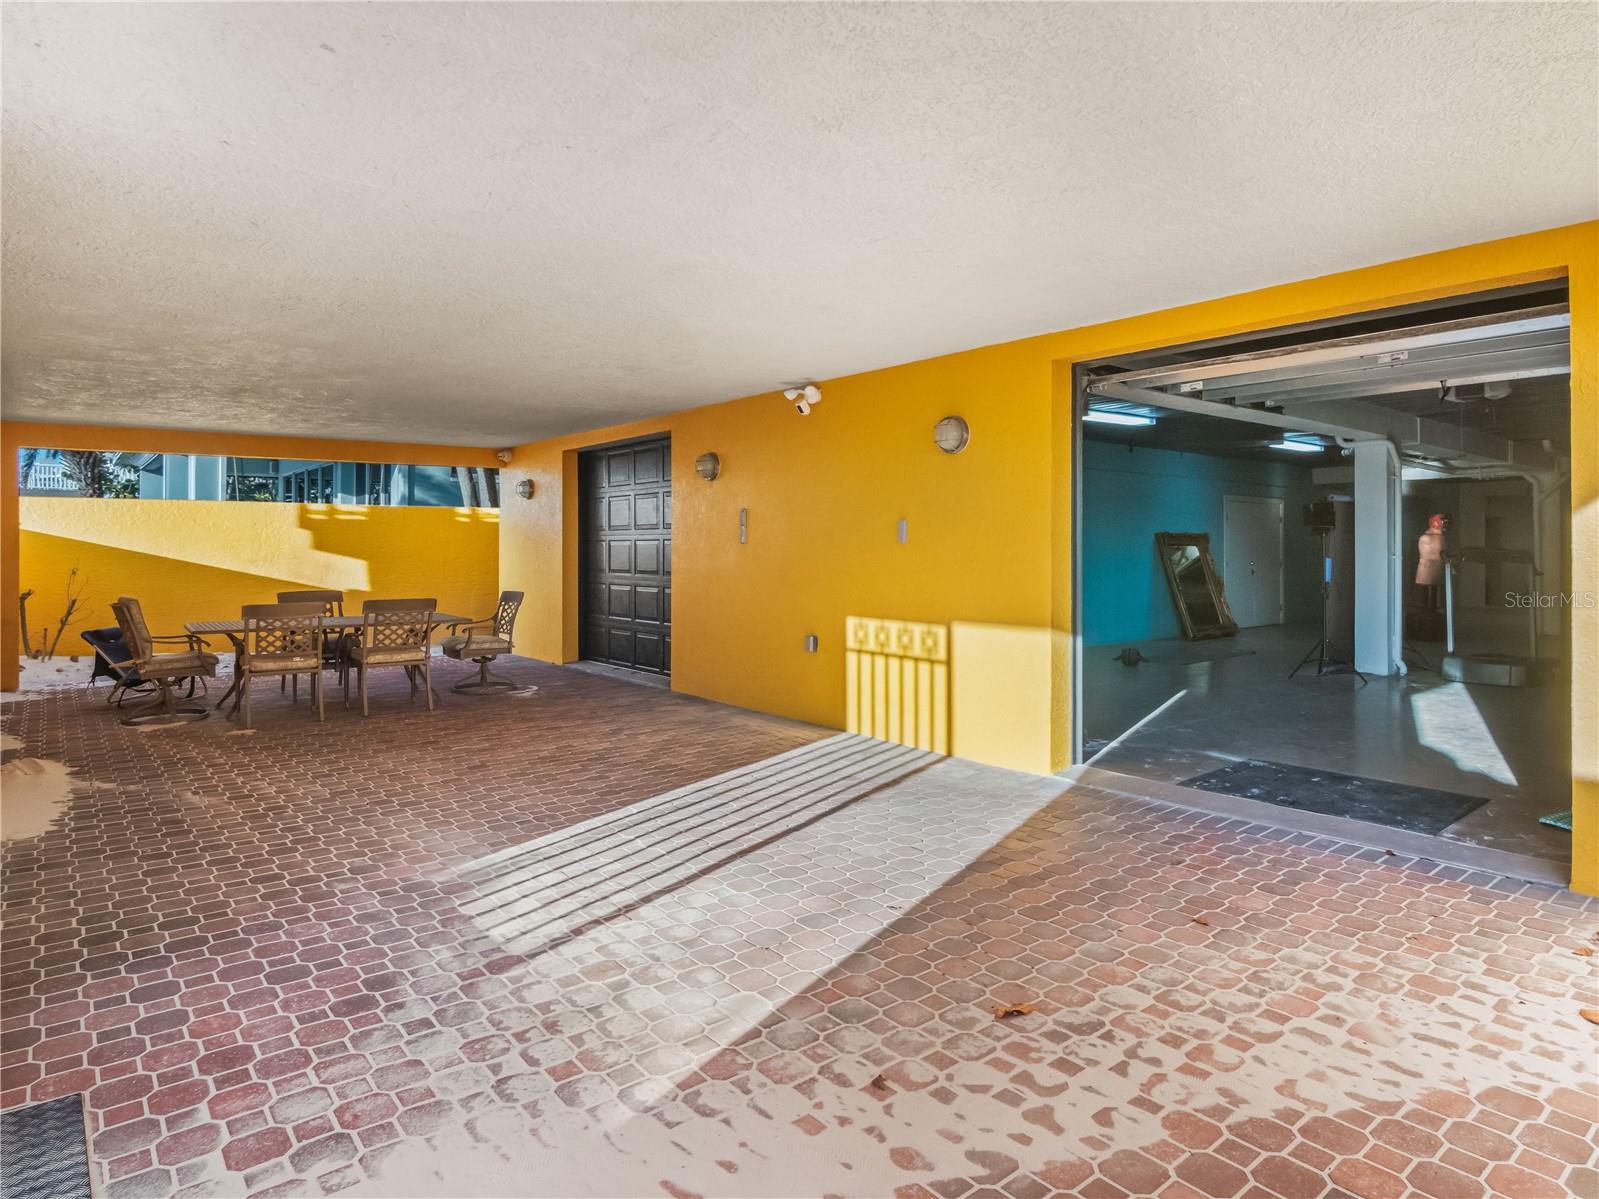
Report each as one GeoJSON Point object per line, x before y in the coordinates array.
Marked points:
{"type": "Point", "coordinates": [1378, 595]}
{"type": "Point", "coordinates": [208, 477]}
{"type": "Point", "coordinates": [10, 565]}
{"type": "Point", "coordinates": [1550, 511]}
{"type": "Point", "coordinates": [175, 474]}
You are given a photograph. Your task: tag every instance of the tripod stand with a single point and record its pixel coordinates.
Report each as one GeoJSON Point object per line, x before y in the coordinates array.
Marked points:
{"type": "Point", "coordinates": [1327, 658]}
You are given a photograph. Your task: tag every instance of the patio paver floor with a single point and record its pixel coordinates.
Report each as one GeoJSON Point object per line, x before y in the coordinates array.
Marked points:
{"type": "Point", "coordinates": [608, 940]}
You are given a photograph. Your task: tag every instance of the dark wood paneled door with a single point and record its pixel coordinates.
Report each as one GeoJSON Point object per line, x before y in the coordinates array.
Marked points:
{"type": "Point", "coordinates": [625, 555]}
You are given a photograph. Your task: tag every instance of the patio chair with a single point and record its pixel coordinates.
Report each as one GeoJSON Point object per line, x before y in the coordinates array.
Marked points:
{"type": "Point", "coordinates": [393, 633]}
{"type": "Point", "coordinates": [162, 670]}
{"type": "Point", "coordinates": [333, 645]}
{"type": "Point", "coordinates": [281, 639]}
{"type": "Point", "coordinates": [380, 605]}
{"type": "Point", "coordinates": [482, 641]}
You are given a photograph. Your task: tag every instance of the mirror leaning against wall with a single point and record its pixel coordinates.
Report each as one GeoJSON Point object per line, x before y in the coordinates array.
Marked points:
{"type": "Point", "coordinates": [1195, 585]}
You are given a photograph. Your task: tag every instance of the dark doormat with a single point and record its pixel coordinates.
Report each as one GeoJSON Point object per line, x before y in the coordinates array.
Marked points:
{"type": "Point", "coordinates": [43, 1154]}
{"type": "Point", "coordinates": [1418, 809]}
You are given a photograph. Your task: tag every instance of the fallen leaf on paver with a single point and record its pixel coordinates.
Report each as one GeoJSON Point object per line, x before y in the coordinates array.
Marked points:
{"type": "Point", "coordinates": [1007, 1010]}
{"type": "Point", "coordinates": [1582, 951]}
{"type": "Point", "coordinates": [1590, 1014]}
{"type": "Point", "coordinates": [879, 1083]}
{"type": "Point", "coordinates": [1201, 920]}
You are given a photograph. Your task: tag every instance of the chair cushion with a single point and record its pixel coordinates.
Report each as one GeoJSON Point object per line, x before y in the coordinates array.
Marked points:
{"type": "Point", "coordinates": [375, 655]}
{"type": "Point", "coordinates": [180, 666]}
{"type": "Point", "coordinates": [472, 645]}
{"type": "Point", "coordinates": [283, 663]}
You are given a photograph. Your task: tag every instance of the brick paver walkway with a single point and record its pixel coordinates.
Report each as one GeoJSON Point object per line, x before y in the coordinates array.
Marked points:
{"type": "Point", "coordinates": [607, 940]}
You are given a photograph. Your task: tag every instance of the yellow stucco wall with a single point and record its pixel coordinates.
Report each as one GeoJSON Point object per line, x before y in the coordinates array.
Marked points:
{"type": "Point", "coordinates": [198, 559]}
{"type": "Point", "coordinates": [989, 539]}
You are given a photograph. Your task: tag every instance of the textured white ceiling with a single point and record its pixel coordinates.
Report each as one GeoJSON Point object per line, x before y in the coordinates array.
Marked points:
{"type": "Point", "coordinates": [487, 223]}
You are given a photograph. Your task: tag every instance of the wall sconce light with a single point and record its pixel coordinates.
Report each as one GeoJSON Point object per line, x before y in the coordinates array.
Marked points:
{"type": "Point", "coordinates": [708, 466]}
{"type": "Point", "coordinates": [524, 488]}
{"type": "Point", "coordinates": [952, 434]}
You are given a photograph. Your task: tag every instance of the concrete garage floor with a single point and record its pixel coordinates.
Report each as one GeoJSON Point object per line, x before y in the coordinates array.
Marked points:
{"type": "Point", "coordinates": [1231, 698]}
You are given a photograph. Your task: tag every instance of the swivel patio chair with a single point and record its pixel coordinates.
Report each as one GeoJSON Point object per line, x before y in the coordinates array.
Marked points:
{"type": "Point", "coordinates": [482, 641]}
{"type": "Point", "coordinates": [393, 633]}
{"type": "Point", "coordinates": [283, 640]}
{"type": "Point", "coordinates": [161, 670]}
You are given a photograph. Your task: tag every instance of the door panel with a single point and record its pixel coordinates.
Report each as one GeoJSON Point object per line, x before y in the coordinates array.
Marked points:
{"type": "Point", "coordinates": [625, 549]}
{"type": "Point", "coordinates": [1252, 559]}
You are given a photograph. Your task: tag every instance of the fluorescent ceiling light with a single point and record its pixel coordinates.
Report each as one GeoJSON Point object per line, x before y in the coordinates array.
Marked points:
{"type": "Point", "coordinates": [1298, 447]}
{"type": "Point", "coordinates": [1101, 416]}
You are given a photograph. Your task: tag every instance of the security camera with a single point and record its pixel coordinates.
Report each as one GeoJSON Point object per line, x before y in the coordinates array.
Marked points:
{"type": "Point", "coordinates": [504, 456]}
{"type": "Point", "coordinates": [803, 398]}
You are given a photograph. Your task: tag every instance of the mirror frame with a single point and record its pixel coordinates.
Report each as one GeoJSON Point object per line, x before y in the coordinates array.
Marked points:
{"type": "Point", "coordinates": [1226, 626]}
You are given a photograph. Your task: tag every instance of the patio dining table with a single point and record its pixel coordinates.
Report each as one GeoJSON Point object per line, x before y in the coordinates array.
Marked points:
{"type": "Point", "coordinates": [233, 630]}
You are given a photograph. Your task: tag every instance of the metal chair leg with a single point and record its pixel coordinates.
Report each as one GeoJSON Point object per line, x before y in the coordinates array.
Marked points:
{"type": "Point", "coordinates": [161, 710]}
{"type": "Point", "coordinates": [485, 681]}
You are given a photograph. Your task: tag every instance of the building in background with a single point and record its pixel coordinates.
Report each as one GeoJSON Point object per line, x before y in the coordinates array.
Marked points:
{"type": "Point", "coordinates": [282, 480]}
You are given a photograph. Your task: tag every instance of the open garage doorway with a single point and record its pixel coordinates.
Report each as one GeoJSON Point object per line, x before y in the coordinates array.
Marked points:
{"type": "Point", "coordinates": [1324, 570]}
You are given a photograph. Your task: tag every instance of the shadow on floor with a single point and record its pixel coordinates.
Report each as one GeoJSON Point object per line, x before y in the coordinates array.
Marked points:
{"type": "Point", "coordinates": [536, 896]}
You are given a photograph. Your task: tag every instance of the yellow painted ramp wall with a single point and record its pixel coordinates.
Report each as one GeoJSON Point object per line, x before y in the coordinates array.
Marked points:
{"type": "Point", "coordinates": [204, 559]}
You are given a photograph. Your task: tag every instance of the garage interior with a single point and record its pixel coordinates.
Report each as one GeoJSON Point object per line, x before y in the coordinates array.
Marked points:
{"type": "Point", "coordinates": [1319, 454]}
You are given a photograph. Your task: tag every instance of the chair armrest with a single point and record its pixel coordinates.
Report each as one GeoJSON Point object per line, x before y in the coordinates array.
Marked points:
{"type": "Point", "coordinates": [194, 640]}
{"type": "Point", "coordinates": [458, 625]}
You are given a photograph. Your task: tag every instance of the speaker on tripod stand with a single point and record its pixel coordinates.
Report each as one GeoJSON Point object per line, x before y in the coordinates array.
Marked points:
{"type": "Point", "coordinates": [1322, 518]}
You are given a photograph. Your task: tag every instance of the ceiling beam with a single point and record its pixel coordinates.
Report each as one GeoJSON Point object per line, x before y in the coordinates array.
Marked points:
{"type": "Point", "coordinates": [1255, 416]}
{"type": "Point", "coordinates": [1547, 324]}
{"type": "Point", "coordinates": [1349, 420]}
{"type": "Point", "coordinates": [1495, 368]}
{"type": "Point", "coordinates": [1433, 438]}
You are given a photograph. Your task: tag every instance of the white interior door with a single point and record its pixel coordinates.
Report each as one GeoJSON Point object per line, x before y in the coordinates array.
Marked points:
{"type": "Point", "coordinates": [1252, 559]}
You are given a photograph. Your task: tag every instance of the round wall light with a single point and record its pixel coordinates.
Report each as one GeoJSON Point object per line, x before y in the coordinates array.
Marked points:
{"type": "Point", "coordinates": [951, 434]}
{"type": "Point", "coordinates": [524, 488]}
{"type": "Point", "coordinates": [708, 466]}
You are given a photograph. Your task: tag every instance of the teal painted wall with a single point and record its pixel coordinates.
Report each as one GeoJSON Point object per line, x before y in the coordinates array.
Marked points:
{"type": "Point", "coordinates": [1130, 494]}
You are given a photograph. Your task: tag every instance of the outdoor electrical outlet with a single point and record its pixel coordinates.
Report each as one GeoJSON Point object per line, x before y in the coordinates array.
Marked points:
{"type": "Point", "coordinates": [743, 526]}
{"type": "Point", "coordinates": [904, 530]}
{"type": "Point", "coordinates": [811, 643]}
